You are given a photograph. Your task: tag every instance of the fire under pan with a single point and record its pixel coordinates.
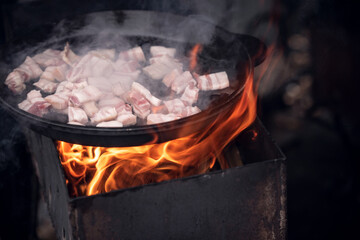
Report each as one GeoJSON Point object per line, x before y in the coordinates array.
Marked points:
{"type": "Point", "coordinates": [242, 202]}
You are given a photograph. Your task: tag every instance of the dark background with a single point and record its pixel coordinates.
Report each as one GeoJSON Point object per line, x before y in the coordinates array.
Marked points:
{"type": "Point", "coordinates": [308, 102]}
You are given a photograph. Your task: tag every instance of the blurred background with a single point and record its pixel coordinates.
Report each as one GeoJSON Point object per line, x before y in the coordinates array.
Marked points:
{"type": "Point", "coordinates": [308, 101]}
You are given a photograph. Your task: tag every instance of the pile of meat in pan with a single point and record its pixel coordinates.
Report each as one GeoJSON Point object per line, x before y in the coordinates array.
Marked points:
{"type": "Point", "coordinates": [104, 88]}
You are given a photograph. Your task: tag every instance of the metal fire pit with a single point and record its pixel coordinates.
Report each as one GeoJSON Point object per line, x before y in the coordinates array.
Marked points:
{"type": "Point", "coordinates": [243, 202]}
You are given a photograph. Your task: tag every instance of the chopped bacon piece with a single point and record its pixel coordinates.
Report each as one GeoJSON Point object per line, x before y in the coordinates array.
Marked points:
{"type": "Point", "coordinates": [158, 70]}
{"type": "Point", "coordinates": [190, 94]}
{"type": "Point", "coordinates": [46, 86]}
{"type": "Point", "coordinates": [30, 68]}
{"type": "Point", "coordinates": [182, 81]}
{"type": "Point", "coordinates": [174, 106]}
{"type": "Point", "coordinates": [90, 108]}
{"type": "Point", "coordinates": [160, 50]}
{"type": "Point", "coordinates": [171, 76]}
{"type": "Point", "coordinates": [69, 56]}
{"type": "Point", "coordinates": [104, 114]}
{"type": "Point", "coordinates": [105, 53]}
{"type": "Point", "coordinates": [154, 118]}
{"type": "Point", "coordinates": [188, 111]}
{"type": "Point", "coordinates": [57, 102]}
{"type": "Point", "coordinates": [115, 102]}
{"type": "Point", "coordinates": [146, 93]}
{"type": "Point", "coordinates": [34, 104]}
{"type": "Point", "coordinates": [15, 82]}
{"type": "Point", "coordinates": [49, 57]}
{"type": "Point", "coordinates": [52, 73]}
{"type": "Point", "coordinates": [127, 119]}
{"type": "Point", "coordinates": [213, 81]}
{"type": "Point", "coordinates": [87, 94]}
{"type": "Point", "coordinates": [140, 105]}
{"type": "Point", "coordinates": [77, 115]}
{"type": "Point", "coordinates": [33, 94]}
{"type": "Point", "coordinates": [90, 65]}
{"type": "Point", "coordinates": [135, 53]}
{"type": "Point", "coordinates": [110, 124]}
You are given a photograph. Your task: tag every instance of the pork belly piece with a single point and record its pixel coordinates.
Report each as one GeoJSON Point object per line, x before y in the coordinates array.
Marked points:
{"type": "Point", "coordinates": [15, 82]}
{"type": "Point", "coordinates": [171, 76]}
{"type": "Point", "coordinates": [87, 94]}
{"type": "Point", "coordinates": [49, 57]}
{"type": "Point", "coordinates": [110, 124]}
{"type": "Point", "coordinates": [126, 66]}
{"type": "Point", "coordinates": [33, 94]}
{"type": "Point", "coordinates": [163, 59]}
{"type": "Point", "coordinates": [146, 93]}
{"type": "Point", "coordinates": [104, 114]}
{"type": "Point", "coordinates": [53, 73]}
{"type": "Point", "coordinates": [35, 104]}
{"type": "Point", "coordinates": [213, 81]}
{"type": "Point", "coordinates": [77, 115]}
{"type": "Point", "coordinates": [90, 108]}
{"type": "Point", "coordinates": [90, 65]}
{"type": "Point", "coordinates": [46, 86]}
{"type": "Point", "coordinates": [174, 106]}
{"type": "Point", "coordinates": [124, 109]}
{"type": "Point", "coordinates": [105, 53]}
{"type": "Point", "coordinates": [29, 69]}
{"type": "Point", "coordinates": [159, 109]}
{"type": "Point", "coordinates": [154, 118]}
{"type": "Point", "coordinates": [161, 50]}
{"type": "Point", "coordinates": [68, 56]}
{"type": "Point", "coordinates": [182, 81]}
{"type": "Point", "coordinates": [140, 105]}
{"type": "Point", "coordinates": [135, 53]}
{"type": "Point", "coordinates": [188, 111]}
{"type": "Point", "coordinates": [158, 70]}
{"type": "Point", "coordinates": [190, 94]}
{"type": "Point", "coordinates": [126, 119]}
{"type": "Point", "coordinates": [57, 101]}
{"type": "Point", "coordinates": [111, 102]}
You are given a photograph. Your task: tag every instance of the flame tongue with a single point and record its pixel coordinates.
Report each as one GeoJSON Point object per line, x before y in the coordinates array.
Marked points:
{"type": "Point", "coordinates": [93, 170]}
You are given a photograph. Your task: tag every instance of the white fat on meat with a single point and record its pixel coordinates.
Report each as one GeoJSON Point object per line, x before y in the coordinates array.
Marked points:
{"type": "Point", "coordinates": [127, 119]}
{"type": "Point", "coordinates": [46, 86]}
{"type": "Point", "coordinates": [174, 106]}
{"type": "Point", "coordinates": [110, 124]}
{"type": "Point", "coordinates": [90, 65]}
{"type": "Point", "coordinates": [171, 76]}
{"type": "Point", "coordinates": [119, 105]}
{"type": "Point", "coordinates": [140, 105]}
{"type": "Point", "coordinates": [68, 56]}
{"type": "Point", "coordinates": [214, 81]}
{"type": "Point", "coordinates": [158, 70]}
{"type": "Point", "coordinates": [146, 93]}
{"type": "Point", "coordinates": [90, 108]}
{"type": "Point", "coordinates": [188, 111]}
{"type": "Point", "coordinates": [190, 94]}
{"type": "Point", "coordinates": [161, 50]}
{"type": "Point", "coordinates": [104, 114]}
{"type": "Point", "coordinates": [49, 57]}
{"type": "Point", "coordinates": [53, 73]}
{"type": "Point", "coordinates": [181, 82]}
{"type": "Point", "coordinates": [76, 123]}
{"type": "Point", "coordinates": [77, 115]}
{"type": "Point", "coordinates": [57, 101]}
{"type": "Point", "coordinates": [135, 53]}
{"type": "Point", "coordinates": [155, 118]}
{"type": "Point", "coordinates": [87, 94]}
{"type": "Point", "coordinates": [105, 53]}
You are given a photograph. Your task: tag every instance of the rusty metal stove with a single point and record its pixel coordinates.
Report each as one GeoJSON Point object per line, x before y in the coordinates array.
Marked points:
{"type": "Point", "coordinates": [247, 202]}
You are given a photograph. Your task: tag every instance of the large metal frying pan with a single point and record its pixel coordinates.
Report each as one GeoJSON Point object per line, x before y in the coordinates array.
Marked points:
{"type": "Point", "coordinates": [237, 54]}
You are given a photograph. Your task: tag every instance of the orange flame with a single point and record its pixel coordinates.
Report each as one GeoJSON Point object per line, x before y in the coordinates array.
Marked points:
{"type": "Point", "coordinates": [193, 56]}
{"type": "Point", "coordinates": [94, 170]}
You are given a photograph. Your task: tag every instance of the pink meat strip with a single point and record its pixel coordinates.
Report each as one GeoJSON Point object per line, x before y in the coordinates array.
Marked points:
{"type": "Point", "coordinates": [213, 81]}
{"type": "Point", "coordinates": [104, 114]}
{"type": "Point", "coordinates": [49, 57]}
{"type": "Point", "coordinates": [140, 105]}
{"type": "Point", "coordinates": [190, 94]}
{"type": "Point", "coordinates": [161, 50]}
{"type": "Point", "coordinates": [135, 53]}
{"type": "Point", "coordinates": [87, 94]}
{"type": "Point", "coordinates": [155, 118]}
{"type": "Point", "coordinates": [171, 76]}
{"type": "Point", "coordinates": [110, 124]}
{"type": "Point", "coordinates": [53, 73]}
{"type": "Point", "coordinates": [77, 115]}
{"type": "Point", "coordinates": [126, 119]}
{"type": "Point", "coordinates": [146, 93]}
{"type": "Point", "coordinates": [182, 81]}
{"type": "Point", "coordinates": [46, 86]}
{"type": "Point", "coordinates": [25, 72]}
